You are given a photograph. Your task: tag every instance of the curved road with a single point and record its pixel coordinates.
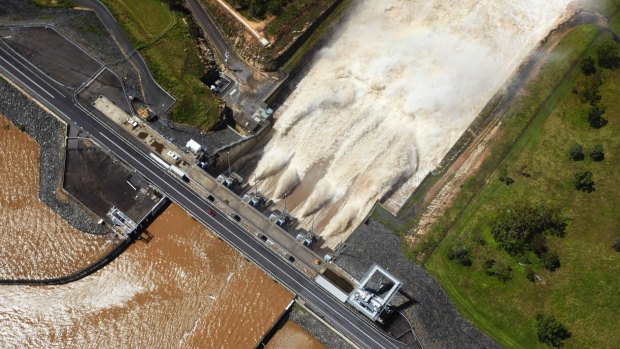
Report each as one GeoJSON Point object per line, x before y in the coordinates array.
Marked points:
{"type": "Point", "coordinates": [156, 97]}
{"type": "Point", "coordinates": [365, 334]}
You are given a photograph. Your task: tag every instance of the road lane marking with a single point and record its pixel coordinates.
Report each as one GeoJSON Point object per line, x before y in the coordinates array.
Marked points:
{"type": "Point", "coordinates": [200, 209]}
{"type": "Point", "coordinates": [264, 261]}
{"type": "Point", "coordinates": [27, 77]}
{"type": "Point", "coordinates": [16, 54]}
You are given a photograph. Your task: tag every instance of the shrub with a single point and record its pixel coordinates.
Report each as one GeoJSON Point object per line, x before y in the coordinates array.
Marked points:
{"type": "Point", "coordinates": [584, 181]}
{"type": "Point", "coordinates": [607, 55]}
{"type": "Point", "coordinates": [530, 275]}
{"type": "Point", "coordinates": [551, 331]}
{"type": "Point", "coordinates": [597, 153]}
{"type": "Point", "coordinates": [506, 180]}
{"type": "Point", "coordinates": [460, 254]}
{"type": "Point", "coordinates": [516, 226]}
{"type": "Point", "coordinates": [595, 117]}
{"type": "Point", "coordinates": [589, 90]}
{"type": "Point", "coordinates": [550, 261]}
{"type": "Point", "coordinates": [497, 269]}
{"type": "Point", "coordinates": [576, 152]}
{"type": "Point", "coordinates": [588, 66]}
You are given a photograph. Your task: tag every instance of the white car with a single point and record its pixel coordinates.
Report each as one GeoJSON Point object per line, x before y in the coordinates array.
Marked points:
{"type": "Point", "coordinates": [173, 155]}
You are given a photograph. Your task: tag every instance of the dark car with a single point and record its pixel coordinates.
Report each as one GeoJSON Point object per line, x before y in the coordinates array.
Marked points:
{"type": "Point", "coordinates": [211, 213]}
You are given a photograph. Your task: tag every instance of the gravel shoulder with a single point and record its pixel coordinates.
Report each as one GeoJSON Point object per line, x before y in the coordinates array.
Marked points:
{"type": "Point", "coordinates": [436, 321]}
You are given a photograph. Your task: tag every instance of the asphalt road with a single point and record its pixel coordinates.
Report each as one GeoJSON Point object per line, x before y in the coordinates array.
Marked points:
{"type": "Point", "coordinates": [366, 335]}
{"type": "Point", "coordinates": [256, 89]}
{"type": "Point", "coordinates": [156, 97]}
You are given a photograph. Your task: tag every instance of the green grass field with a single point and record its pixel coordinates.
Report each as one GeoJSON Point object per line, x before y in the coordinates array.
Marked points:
{"type": "Point", "coordinates": [583, 292]}
{"type": "Point", "coordinates": [163, 40]}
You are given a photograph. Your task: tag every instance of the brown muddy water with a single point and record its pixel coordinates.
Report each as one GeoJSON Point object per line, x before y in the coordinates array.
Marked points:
{"type": "Point", "coordinates": [183, 289]}
{"type": "Point", "coordinates": [291, 336]}
{"type": "Point", "coordinates": [35, 242]}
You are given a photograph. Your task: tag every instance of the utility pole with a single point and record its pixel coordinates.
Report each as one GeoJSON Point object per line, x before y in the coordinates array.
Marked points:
{"type": "Point", "coordinates": [255, 186]}
{"type": "Point", "coordinates": [285, 204]}
{"type": "Point", "coordinates": [228, 153]}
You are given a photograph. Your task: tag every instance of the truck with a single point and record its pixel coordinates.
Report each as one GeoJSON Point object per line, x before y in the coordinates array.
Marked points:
{"type": "Point", "coordinates": [178, 172]}
{"type": "Point", "coordinates": [160, 161]}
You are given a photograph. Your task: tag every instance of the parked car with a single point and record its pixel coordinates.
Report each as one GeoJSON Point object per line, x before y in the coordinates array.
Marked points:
{"type": "Point", "coordinates": [173, 155]}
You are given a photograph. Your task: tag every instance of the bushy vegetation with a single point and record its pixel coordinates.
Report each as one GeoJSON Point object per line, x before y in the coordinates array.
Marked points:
{"type": "Point", "coordinates": [584, 181]}
{"type": "Point", "coordinates": [500, 270]}
{"type": "Point", "coordinates": [588, 66]}
{"type": "Point", "coordinates": [576, 152]}
{"type": "Point", "coordinates": [550, 331]}
{"type": "Point", "coordinates": [513, 266]}
{"type": "Point", "coordinates": [260, 8]}
{"type": "Point", "coordinates": [607, 55]}
{"type": "Point", "coordinates": [520, 227]}
{"type": "Point", "coordinates": [598, 153]}
{"type": "Point", "coordinates": [172, 57]}
{"type": "Point", "coordinates": [460, 254]}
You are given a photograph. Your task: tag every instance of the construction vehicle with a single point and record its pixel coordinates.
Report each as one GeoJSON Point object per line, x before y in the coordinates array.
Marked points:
{"type": "Point", "coordinates": [145, 113]}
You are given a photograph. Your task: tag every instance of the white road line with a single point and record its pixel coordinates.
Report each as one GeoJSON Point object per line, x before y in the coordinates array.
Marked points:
{"type": "Point", "coordinates": [236, 245]}
{"type": "Point", "coordinates": [39, 86]}
{"type": "Point", "coordinates": [266, 261]}
{"type": "Point", "coordinates": [241, 240]}
{"type": "Point", "coordinates": [15, 53]}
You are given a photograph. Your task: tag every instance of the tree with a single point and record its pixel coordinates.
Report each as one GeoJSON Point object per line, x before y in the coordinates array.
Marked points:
{"type": "Point", "coordinates": [530, 275]}
{"type": "Point", "coordinates": [551, 331]}
{"type": "Point", "coordinates": [616, 246]}
{"type": "Point", "coordinates": [460, 254]}
{"type": "Point", "coordinates": [589, 89]}
{"type": "Point", "coordinates": [595, 117]}
{"type": "Point", "coordinates": [520, 226]}
{"type": "Point", "coordinates": [588, 66]}
{"type": "Point", "coordinates": [497, 269]}
{"type": "Point", "coordinates": [597, 153]}
{"type": "Point", "coordinates": [584, 181]}
{"type": "Point", "coordinates": [607, 55]}
{"type": "Point", "coordinates": [551, 261]}
{"type": "Point", "coordinates": [576, 152]}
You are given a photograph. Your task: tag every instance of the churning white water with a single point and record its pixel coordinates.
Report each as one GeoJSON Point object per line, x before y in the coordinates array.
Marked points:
{"type": "Point", "coordinates": [388, 96]}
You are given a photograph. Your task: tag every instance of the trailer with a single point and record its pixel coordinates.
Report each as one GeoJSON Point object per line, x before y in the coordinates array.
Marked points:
{"type": "Point", "coordinates": [160, 161]}
{"type": "Point", "coordinates": [178, 172]}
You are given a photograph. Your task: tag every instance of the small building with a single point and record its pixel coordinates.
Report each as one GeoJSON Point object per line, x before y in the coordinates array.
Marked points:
{"type": "Point", "coordinates": [305, 239]}
{"type": "Point", "coordinates": [194, 146]}
{"type": "Point", "coordinates": [229, 181]}
{"type": "Point", "coordinates": [278, 218]}
{"type": "Point", "coordinates": [253, 199]}
{"type": "Point", "coordinates": [366, 298]}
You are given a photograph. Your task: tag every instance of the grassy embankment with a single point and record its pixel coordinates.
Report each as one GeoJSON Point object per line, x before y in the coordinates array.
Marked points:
{"type": "Point", "coordinates": [162, 38]}
{"type": "Point", "coordinates": [583, 293]}
{"type": "Point", "coordinates": [285, 27]}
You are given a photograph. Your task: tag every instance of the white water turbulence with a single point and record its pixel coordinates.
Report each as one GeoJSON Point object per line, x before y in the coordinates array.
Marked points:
{"type": "Point", "coordinates": [386, 99]}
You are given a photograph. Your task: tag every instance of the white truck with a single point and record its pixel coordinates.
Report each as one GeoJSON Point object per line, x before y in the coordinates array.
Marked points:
{"type": "Point", "coordinates": [170, 168]}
